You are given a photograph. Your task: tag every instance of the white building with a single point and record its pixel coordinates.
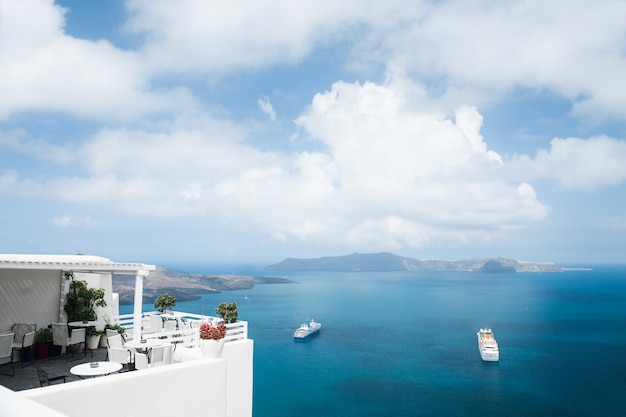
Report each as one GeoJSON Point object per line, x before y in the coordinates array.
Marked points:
{"type": "Point", "coordinates": [32, 290]}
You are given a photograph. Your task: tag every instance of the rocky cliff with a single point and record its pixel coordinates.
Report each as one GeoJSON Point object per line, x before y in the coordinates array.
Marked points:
{"type": "Point", "coordinates": [183, 285]}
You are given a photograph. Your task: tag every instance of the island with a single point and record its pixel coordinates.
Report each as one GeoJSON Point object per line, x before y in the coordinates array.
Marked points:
{"type": "Point", "coordinates": [185, 286]}
{"type": "Point", "coordinates": [385, 261]}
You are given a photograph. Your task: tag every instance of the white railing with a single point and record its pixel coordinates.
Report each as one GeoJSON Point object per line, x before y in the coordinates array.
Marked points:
{"type": "Point", "coordinates": [188, 335]}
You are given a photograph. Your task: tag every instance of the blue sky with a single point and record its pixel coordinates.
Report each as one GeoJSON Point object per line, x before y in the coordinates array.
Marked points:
{"type": "Point", "coordinates": [201, 131]}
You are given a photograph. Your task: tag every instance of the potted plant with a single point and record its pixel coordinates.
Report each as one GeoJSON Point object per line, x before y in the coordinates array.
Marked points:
{"type": "Point", "coordinates": [228, 311]}
{"type": "Point", "coordinates": [212, 339]}
{"type": "Point", "coordinates": [116, 327]}
{"type": "Point", "coordinates": [164, 301]}
{"type": "Point", "coordinates": [81, 301]}
{"type": "Point", "coordinates": [43, 340]}
{"type": "Point", "coordinates": [93, 338]}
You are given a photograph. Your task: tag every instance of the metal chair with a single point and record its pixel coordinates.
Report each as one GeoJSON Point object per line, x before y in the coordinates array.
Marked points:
{"type": "Point", "coordinates": [45, 379]}
{"type": "Point", "coordinates": [6, 351]}
{"type": "Point", "coordinates": [26, 346]}
{"type": "Point", "coordinates": [19, 330]}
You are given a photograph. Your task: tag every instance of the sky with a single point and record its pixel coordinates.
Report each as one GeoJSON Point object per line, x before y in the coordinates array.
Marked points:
{"type": "Point", "coordinates": [251, 131]}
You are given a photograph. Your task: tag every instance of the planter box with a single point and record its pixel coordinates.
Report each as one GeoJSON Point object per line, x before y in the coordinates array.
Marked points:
{"type": "Point", "coordinates": [42, 351]}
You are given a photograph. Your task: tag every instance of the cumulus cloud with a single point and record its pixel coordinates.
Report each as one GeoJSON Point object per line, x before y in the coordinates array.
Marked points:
{"type": "Point", "coordinates": [577, 163]}
{"type": "Point", "coordinates": [390, 177]}
{"type": "Point", "coordinates": [42, 68]}
{"type": "Point", "coordinates": [200, 36]}
{"type": "Point", "coordinates": [464, 52]}
{"type": "Point", "coordinates": [482, 49]}
{"type": "Point", "coordinates": [399, 163]}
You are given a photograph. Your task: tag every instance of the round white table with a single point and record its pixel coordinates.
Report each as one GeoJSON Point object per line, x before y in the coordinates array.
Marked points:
{"type": "Point", "coordinates": [147, 344]}
{"type": "Point", "coordinates": [103, 368]}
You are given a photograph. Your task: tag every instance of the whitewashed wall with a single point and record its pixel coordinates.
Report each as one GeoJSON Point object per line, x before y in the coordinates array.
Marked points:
{"type": "Point", "coordinates": [29, 296]}
{"type": "Point", "coordinates": [34, 296]}
{"type": "Point", "coordinates": [208, 387]}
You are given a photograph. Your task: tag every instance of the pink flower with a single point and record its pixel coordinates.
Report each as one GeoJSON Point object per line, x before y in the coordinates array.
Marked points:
{"type": "Point", "coordinates": [212, 332]}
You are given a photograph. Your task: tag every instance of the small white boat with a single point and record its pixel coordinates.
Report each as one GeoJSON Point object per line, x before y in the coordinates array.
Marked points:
{"type": "Point", "coordinates": [306, 330]}
{"type": "Point", "coordinates": [487, 346]}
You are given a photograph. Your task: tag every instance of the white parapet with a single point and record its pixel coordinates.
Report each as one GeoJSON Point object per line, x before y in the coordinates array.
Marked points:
{"type": "Point", "coordinates": [217, 387]}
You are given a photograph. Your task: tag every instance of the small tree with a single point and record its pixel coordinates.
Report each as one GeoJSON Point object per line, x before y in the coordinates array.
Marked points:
{"type": "Point", "coordinates": [229, 312]}
{"type": "Point", "coordinates": [164, 301]}
{"type": "Point", "coordinates": [81, 301]}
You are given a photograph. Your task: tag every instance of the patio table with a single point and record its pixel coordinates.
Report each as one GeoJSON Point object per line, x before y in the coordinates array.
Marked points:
{"type": "Point", "coordinates": [95, 369]}
{"type": "Point", "coordinates": [142, 347]}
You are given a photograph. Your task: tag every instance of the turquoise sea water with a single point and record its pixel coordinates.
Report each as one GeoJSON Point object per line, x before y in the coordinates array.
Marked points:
{"type": "Point", "coordinates": [404, 343]}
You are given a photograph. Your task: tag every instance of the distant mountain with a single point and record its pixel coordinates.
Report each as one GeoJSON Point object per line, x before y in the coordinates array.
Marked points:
{"type": "Point", "coordinates": [183, 285]}
{"type": "Point", "coordinates": [389, 262]}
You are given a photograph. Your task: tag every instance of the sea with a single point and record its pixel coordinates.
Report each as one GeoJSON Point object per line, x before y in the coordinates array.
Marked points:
{"type": "Point", "coordinates": [405, 344]}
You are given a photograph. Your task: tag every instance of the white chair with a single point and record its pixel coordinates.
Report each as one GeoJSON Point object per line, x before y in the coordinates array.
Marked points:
{"type": "Point", "coordinates": [6, 351]}
{"type": "Point", "coordinates": [160, 355]}
{"type": "Point", "coordinates": [127, 335]}
{"type": "Point", "coordinates": [115, 341]}
{"type": "Point", "coordinates": [119, 355]}
{"type": "Point", "coordinates": [19, 330]}
{"type": "Point", "coordinates": [169, 324]}
{"type": "Point", "coordinates": [26, 345]}
{"type": "Point", "coordinates": [156, 323]}
{"type": "Point", "coordinates": [60, 337]}
{"type": "Point", "coordinates": [141, 361]}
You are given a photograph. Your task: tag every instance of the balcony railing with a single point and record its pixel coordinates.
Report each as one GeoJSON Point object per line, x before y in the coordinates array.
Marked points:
{"type": "Point", "coordinates": [185, 335]}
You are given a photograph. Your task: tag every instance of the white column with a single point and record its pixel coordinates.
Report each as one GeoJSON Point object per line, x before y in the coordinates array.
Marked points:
{"type": "Point", "coordinates": [138, 306]}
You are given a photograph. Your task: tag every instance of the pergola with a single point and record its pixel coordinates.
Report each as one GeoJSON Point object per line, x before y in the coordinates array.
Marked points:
{"type": "Point", "coordinates": [17, 271]}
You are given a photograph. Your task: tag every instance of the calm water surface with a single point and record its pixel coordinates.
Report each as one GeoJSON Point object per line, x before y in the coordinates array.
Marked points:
{"type": "Point", "coordinates": [404, 343]}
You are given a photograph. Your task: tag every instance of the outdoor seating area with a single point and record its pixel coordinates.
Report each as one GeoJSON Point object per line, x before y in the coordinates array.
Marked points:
{"type": "Point", "coordinates": [164, 345]}
{"type": "Point", "coordinates": [64, 363]}
{"type": "Point", "coordinates": [30, 376]}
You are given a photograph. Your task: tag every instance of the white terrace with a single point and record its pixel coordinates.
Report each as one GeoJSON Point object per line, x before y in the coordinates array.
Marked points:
{"type": "Point", "coordinates": [33, 289]}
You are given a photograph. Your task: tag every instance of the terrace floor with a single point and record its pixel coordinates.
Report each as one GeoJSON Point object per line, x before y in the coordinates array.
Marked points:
{"type": "Point", "coordinates": [27, 378]}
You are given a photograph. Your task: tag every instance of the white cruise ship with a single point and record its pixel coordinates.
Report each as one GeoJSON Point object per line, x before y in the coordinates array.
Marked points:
{"type": "Point", "coordinates": [487, 346]}
{"type": "Point", "coordinates": [306, 330]}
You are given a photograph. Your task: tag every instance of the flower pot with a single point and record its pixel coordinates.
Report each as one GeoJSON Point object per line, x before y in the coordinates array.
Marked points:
{"type": "Point", "coordinates": [103, 341]}
{"type": "Point", "coordinates": [42, 351]}
{"type": "Point", "coordinates": [211, 348]}
{"type": "Point", "coordinates": [93, 341]}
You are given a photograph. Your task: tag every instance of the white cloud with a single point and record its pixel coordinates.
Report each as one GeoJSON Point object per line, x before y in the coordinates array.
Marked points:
{"type": "Point", "coordinates": [19, 141]}
{"type": "Point", "coordinates": [399, 164]}
{"type": "Point", "coordinates": [69, 221]}
{"type": "Point", "coordinates": [391, 177]}
{"type": "Point", "coordinates": [577, 163]}
{"type": "Point", "coordinates": [42, 68]}
{"type": "Point", "coordinates": [200, 36]}
{"type": "Point", "coordinates": [482, 49]}
{"type": "Point", "coordinates": [462, 52]}
{"type": "Point", "coordinates": [266, 107]}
